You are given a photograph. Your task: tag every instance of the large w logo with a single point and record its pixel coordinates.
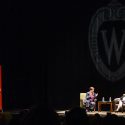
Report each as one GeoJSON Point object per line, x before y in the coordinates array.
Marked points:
{"type": "Point", "coordinates": [113, 44]}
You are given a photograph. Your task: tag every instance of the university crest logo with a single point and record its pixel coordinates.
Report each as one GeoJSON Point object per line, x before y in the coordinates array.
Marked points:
{"type": "Point", "coordinates": [107, 41]}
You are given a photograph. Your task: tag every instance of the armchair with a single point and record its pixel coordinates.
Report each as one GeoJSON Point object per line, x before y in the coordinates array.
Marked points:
{"type": "Point", "coordinates": [82, 100]}
{"type": "Point", "coordinates": [116, 102]}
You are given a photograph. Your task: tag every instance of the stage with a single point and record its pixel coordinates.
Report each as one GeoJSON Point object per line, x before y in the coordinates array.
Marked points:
{"type": "Point", "coordinates": [62, 112]}
{"type": "Point", "coordinates": [102, 113]}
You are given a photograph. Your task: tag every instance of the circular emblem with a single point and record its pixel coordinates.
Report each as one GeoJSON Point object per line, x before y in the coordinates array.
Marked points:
{"type": "Point", "coordinates": [107, 41]}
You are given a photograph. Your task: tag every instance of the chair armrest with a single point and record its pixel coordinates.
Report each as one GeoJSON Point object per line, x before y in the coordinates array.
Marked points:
{"type": "Point", "coordinates": [116, 100]}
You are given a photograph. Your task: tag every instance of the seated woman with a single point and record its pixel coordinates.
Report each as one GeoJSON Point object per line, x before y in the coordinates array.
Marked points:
{"type": "Point", "coordinates": [120, 102]}
{"type": "Point", "coordinates": [91, 98]}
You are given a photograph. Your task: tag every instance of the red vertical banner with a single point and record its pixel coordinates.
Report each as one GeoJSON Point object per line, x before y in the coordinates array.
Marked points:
{"type": "Point", "coordinates": [1, 88]}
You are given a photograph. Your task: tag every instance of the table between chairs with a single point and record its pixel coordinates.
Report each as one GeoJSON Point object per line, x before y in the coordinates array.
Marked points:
{"type": "Point", "coordinates": [100, 103]}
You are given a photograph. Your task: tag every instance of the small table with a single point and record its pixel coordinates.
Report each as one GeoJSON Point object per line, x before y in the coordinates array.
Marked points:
{"type": "Point", "coordinates": [105, 103]}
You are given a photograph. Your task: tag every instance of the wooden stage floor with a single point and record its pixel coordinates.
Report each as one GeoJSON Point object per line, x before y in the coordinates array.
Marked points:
{"type": "Point", "coordinates": [102, 113]}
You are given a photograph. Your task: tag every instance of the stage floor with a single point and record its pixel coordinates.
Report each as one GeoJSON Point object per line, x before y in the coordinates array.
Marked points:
{"type": "Point", "coordinates": [62, 112]}
{"type": "Point", "coordinates": [102, 113]}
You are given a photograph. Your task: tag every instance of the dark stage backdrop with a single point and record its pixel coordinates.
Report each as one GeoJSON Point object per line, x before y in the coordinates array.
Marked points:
{"type": "Point", "coordinates": [45, 53]}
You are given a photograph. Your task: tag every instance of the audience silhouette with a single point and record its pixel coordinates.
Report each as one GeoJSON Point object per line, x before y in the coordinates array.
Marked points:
{"type": "Point", "coordinates": [76, 116]}
{"type": "Point", "coordinates": [41, 115]}
{"type": "Point", "coordinates": [45, 115]}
